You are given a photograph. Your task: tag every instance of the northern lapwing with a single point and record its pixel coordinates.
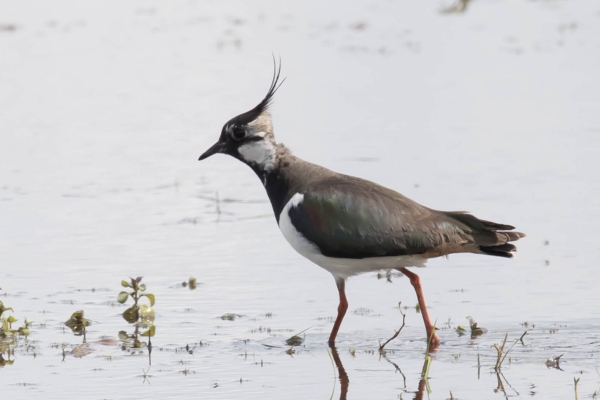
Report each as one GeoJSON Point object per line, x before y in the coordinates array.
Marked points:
{"type": "Point", "coordinates": [349, 225]}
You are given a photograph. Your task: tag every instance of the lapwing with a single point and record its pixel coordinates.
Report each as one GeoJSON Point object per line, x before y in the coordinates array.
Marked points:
{"type": "Point", "coordinates": [349, 225]}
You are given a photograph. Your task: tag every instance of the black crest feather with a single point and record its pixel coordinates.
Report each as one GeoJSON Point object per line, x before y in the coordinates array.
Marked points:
{"type": "Point", "coordinates": [251, 115]}
{"type": "Point", "coordinates": [275, 84]}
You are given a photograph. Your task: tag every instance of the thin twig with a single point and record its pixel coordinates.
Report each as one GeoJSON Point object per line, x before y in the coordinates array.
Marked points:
{"type": "Point", "coordinates": [500, 350]}
{"type": "Point", "coordinates": [381, 346]}
{"type": "Point", "coordinates": [513, 345]}
{"type": "Point", "coordinates": [521, 338]}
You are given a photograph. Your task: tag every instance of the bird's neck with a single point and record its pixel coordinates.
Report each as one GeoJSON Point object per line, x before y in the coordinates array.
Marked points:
{"type": "Point", "coordinates": [270, 161]}
{"type": "Point", "coordinates": [261, 156]}
{"type": "Point", "coordinates": [281, 173]}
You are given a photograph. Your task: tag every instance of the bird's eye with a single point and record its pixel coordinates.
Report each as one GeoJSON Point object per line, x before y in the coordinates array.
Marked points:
{"type": "Point", "coordinates": [238, 133]}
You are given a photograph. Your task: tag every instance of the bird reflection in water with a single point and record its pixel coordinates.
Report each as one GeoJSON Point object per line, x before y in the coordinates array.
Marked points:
{"type": "Point", "coordinates": [345, 380]}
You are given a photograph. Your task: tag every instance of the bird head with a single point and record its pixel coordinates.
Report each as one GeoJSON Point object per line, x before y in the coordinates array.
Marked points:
{"type": "Point", "coordinates": [249, 136]}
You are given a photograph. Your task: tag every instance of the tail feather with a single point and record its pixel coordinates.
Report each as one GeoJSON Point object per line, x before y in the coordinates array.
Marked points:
{"type": "Point", "coordinates": [490, 238]}
{"type": "Point", "coordinates": [512, 236]}
{"type": "Point", "coordinates": [503, 250]}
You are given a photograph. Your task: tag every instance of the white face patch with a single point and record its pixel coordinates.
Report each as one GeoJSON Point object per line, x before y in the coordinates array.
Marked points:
{"type": "Point", "coordinates": [259, 152]}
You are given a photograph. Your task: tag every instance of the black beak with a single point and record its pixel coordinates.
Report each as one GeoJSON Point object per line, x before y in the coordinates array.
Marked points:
{"type": "Point", "coordinates": [214, 149]}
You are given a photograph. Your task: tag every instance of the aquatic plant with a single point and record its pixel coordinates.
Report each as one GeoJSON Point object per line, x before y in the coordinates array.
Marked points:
{"type": "Point", "coordinates": [501, 354]}
{"type": "Point", "coordinates": [9, 336]}
{"type": "Point", "coordinates": [140, 315]}
{"type": "Point", "coordinates": [77, 323]}
{"type": "Point", "coordinates": [475, 329]}
{"type": "Point", "coordinates": [6, 330]}
{"type": "Point", "coordinates": [381, 346]}
{"type": "Point", "coordinates": [136, 313]}
{"type": "Point", "coordinates": [191, 283]}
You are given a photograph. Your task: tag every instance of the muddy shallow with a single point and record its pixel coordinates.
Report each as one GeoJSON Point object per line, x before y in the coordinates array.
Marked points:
{"type": "Point", "coordinates": [106, 107]}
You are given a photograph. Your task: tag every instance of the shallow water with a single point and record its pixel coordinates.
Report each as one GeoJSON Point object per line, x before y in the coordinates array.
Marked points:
{"type": "Point", "coordinates": [106, 107]}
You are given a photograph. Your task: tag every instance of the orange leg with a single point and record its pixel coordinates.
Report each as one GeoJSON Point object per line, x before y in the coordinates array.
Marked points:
{"type": "Point", "coordinates": [341, 312]}
{"type": "Point", "coordinates": [416, 282]}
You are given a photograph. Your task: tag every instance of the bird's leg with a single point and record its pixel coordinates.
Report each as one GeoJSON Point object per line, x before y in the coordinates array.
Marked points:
{"type": "Point", "coordinates": [341, 284]}
{"type": "Point", "coordinates": [416, 282]}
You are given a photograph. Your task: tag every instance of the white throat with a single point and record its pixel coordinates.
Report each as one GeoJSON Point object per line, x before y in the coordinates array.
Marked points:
{"type": "Point", "coordinates": [261, 153]}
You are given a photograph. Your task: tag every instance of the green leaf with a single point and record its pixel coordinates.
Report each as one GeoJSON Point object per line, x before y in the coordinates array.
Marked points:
{"type": "Point", "coordinates": [150, 297]}
{"type": "Point", "coordinates": [147, 314]}
{"type": "Point", "coordinates": [131, 315]}
{"type": "Point", "coordinates": [23, 331]}
{"type": "Point", "coordinates": [150, 332]}
{"type": "Point", "coordinates": [2, 308]}
{"type": "Point", "coordinates": [122, 297]}
{"type": "Point", "coordinates": [192, 283]}
{"type": "Point", "coordinates": [77, 322]}
{"type": "Point", "coordinates": [125, 284]}
{"type": "Point", "coordinates": [294, 341]}
{"type": "Point", "coordinates": [142, 287]}
{"type": "Point", "coordinates": [11, 319]}
{"type": "Point", "coordinates": [77, 316]}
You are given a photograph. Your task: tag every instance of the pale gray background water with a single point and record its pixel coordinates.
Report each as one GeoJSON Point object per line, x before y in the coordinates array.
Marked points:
{"type": "Point", "coordinates": [106, 106]}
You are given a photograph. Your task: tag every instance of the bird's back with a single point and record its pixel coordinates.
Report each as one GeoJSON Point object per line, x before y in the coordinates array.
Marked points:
{"type": "Point", "coordinates": [349, 217]}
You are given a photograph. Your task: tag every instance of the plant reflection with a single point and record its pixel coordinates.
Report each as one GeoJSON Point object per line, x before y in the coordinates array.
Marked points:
{"type": "Point", "coordinates": [6, 361]}
{"type": "Point", "coordinates": [131, 342]}
{"type": "Point", "coordinates": [9, 337]}
{"type": "Point", "coordinates": [397, 368]}
{"type": "Point", "coordinates": [423, 382]}
{"type": "Point", "coordinates": [77, 323]}
{"type": "Point", "coordinates": [500, 388]}
{"type": "Point", "coordinates": [141, 316]}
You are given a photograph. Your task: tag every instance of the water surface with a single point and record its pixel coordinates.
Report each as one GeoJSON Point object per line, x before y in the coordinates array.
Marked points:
{"type": "Point", "coordinates": [107, 106]}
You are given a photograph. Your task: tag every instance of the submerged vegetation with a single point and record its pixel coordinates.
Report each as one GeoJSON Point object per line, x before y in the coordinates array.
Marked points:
{"type": "Point", "coordinates": [77, 323]}
{"type": "Point", "coordinates": [136, 313]}
{"type": "Point", "coordinates": [141, 316]}
{"type": "Point", "coordinates": [7, 331]}
{"type": "Point", "coordinates": [475, 329]}
{"type": "Point", "coordinates": [9, 337]}
{"type": "Point", "coordinates": [191, 283]}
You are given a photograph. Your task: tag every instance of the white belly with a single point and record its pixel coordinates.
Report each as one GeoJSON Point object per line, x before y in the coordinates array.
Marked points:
{"type": "Point", "coordinates": [341, 268]}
